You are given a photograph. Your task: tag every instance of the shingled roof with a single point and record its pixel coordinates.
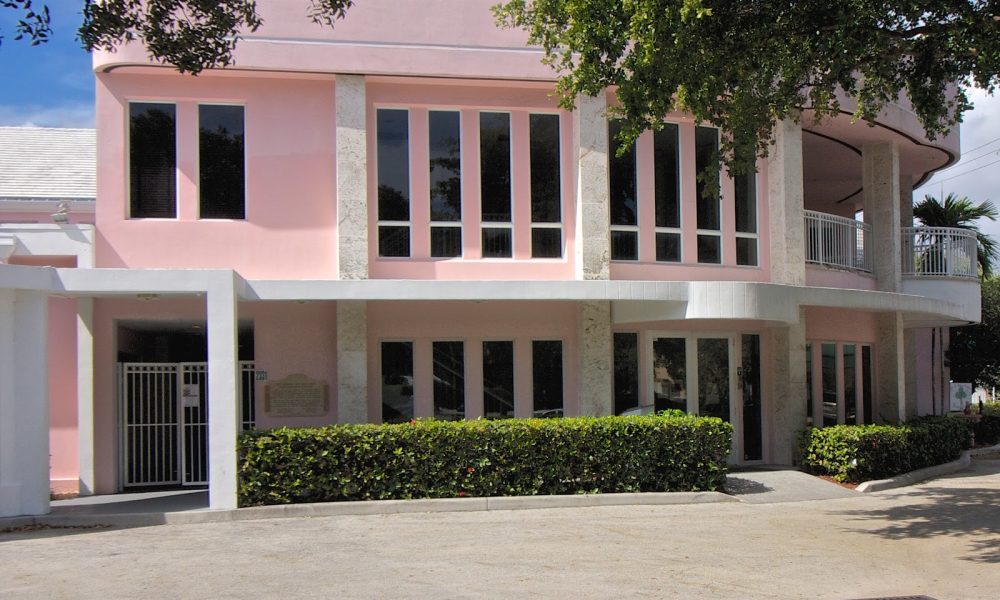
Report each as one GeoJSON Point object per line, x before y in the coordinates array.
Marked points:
{"type": "Point", "coordinates": [46, 164]}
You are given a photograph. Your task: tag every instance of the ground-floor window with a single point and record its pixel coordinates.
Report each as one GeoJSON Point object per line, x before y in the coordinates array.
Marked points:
{"type": "Point", "coordinates": [451, 379]}
{"type": "Point", "coordinates": [839, 383]}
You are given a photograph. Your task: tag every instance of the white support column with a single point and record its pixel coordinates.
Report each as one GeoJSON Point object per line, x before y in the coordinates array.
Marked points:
{"type": "Point", "coordinates": [352, 177]}
{"type": "Point", "coordinates": [892, 403]}
{"type": "Point", "coordinates": [85, 393]}
{"type": "Point", "coordinates": [223, 397]}
{"type": "Point", "coordinates": [593, 221]}
{"type": "Point", "coordinates": [880, 178]}
{"type": "Point", "coordinates": [789, 355]}
{"type": "Point", "coordinates": [24, 404]}
{"type": "Point", "coordinates": [786, 200]}
{"type": "Point", "coordinates": [595, 370]}
{"type": "Point", "coordinates": [352, 361]}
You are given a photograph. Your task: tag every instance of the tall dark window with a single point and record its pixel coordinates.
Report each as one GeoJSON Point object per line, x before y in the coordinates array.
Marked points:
{"type": "Point", "coordinates": [393, 148]}
{"type": "Point", "coordinates": [221, 162]}
{"type": "Point", "coordinates": [498, 379]}
{"type": "Point", "coordinates": [667, 194]}
{"type": "Point", "coordinates": [546, 191]}
{"type": "Point", "coordinates": [850, 385]}
{"type": "Point", "coordinates": [449, 380]}
{"type": "Point", "coordinates": [746, 218]}
{"type": "Point", "coordinates": [547, 378]}
{"type": "Point", "coordinates": [624, 200]}
{"type": "Point", "coordinates": [708, 203]}
{"type": "Point", "coordinates": [397, 382]}
{"type": "Point", "coordinates": [444, 130]}
{"type": "Point", "coordinates": [626, 371]}
{"type": "Point", "coordinates": [152, 161]}
{"type": "Point", "coordinates": [495, 169]}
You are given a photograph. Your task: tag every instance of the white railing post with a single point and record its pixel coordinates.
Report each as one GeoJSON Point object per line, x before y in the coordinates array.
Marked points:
{"type": "Point", "coordinates": [837, 242]}
{"type": "Point", "coordinates": [939, 252]}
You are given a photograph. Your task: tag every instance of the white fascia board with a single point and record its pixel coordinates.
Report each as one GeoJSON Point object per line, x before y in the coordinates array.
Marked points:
{"type": "Point", "coordinates": [38, 279]}
{"type": "Point", "coordinates": [109, 282]}
{"type": "Point", "coordinates": [52, 240]}
{"type": "Point", "coordinates": [913, 307]}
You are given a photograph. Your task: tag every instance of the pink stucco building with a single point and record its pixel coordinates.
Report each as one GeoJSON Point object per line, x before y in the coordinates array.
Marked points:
{"type": "Point", "coordinates": [394, 219]}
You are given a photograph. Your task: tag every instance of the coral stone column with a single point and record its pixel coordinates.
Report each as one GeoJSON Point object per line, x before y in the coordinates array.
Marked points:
{"type": "Point", "coordinates": [593, 233]}
{"type": "Point", "coordinates": [24, 404]}
{"type": "Point", "coordinates": [352, 235]}
{"type": "Point", "coordinates": [881, 181]}
{"type": "Point", "coordinates": [787, 247]}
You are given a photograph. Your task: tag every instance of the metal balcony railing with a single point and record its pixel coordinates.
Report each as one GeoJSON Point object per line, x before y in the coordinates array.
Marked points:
{"type": "Point", "coordinates": [837, 242]}
{"type": "Point", "coordinates": [939, 252]}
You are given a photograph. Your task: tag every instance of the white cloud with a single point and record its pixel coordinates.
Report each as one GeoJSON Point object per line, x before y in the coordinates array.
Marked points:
{"type": "Point", "coordinates": [67, 115]}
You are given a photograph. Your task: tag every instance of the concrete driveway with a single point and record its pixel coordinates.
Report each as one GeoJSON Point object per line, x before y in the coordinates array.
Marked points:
{"type": "Point", "coordinates": [940, 539]}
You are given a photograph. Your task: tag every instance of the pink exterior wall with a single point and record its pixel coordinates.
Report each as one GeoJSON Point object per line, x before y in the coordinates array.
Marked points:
{"type": "Point", "coordinates": [290, 229]}
{"type": "Point", "coordinates": [520, 102]}
{"type": "Point", "coordinates": [933, 378]}
{"type": "Point", "coordinates": [817, 276]}
{"type": "Point", "coordinates": [472, 323]}
{"type": "Point", "coordinates": [63, 463]}
{"type": "Point", "coordinates": [840, 325]}
{"type": "Point", "coordinates": [289, 338]}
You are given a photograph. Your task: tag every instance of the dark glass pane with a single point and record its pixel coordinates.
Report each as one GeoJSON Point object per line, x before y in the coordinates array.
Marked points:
{"type": "Point", "coordinates": [850, 386]}
{"type": "Point", "coordinates": [397, 382]}
{"type": "Point", "coordinates": [546, 242]}
{"type": "Point", "coordinates": [809, 381]}
{"type": "Point", "coordinates": [626, 371]}
{"type": "Point", "coordinates": [494, 166]}
{"type": "Point", "coordinates": [829, 374]}
{"type": "Point", "coordinates": [866, 384]}
{"type": "Point", "coordinates": [746, 251]}
{"type": "Point", "coordinates": [709, 249]}
{"type": "Point", "coordinates": [624, 245]}
{"type": "Point", "coordinates": [444, 131]}
{"type": "Point", "coordinates": [393, 240]}
{"type": "Point", "coordinates": [713, 378]}
{"type": "Point", "coordinates": [706, 166]}
{"type": "Point", "coordinates": [152, 161]}
{"type": "Point", "coordinates": [221, 169]}
{"type": "Point", "coordinates": [449, 380]}
{"type": "Point", "coordinates": [547, 378]}
{"type": "Point", "coordinates": [666, 169]}
{"type": "Point", "coordinates": [446, 242]}
{"type": "Point", "coordinates": [746, 203]}
{"type": "Point", "coordinates": [670, 373]}
{"type": "Point", "coordinates": [497, 243]}
{"type": "Point", "coordinates": [624, 209]}
{"type": "Point", "coordinates": [545, 172]}
{"type": "Point", "coordinates": [498, 380]}
{"type": "Point", "coordinates": [668, 247]}
{"type": "Point", "coordinates": [393, 132]}
{"type": "Point", "coordinates": [753, 441]}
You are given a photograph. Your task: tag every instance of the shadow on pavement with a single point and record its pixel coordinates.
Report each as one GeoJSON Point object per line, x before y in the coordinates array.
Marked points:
{"type": "Point", "coordinates": [739, 486]}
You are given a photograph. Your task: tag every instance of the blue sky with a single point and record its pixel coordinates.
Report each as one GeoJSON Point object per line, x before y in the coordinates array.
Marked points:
{"type": "Point", "coordinates": [52, 86]}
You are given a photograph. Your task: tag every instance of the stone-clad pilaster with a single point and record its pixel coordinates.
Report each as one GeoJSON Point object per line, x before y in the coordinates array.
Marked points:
{"type": "Point", "coordinates": [352, 361]}
{"type": "Point", "coordinates": [786, 198]}
{"type": "Point", "coordinates": [892, 404]}
{"type": "Point", "coordinates": [352, 177]}
{"type": "Point", "coordinates": [880, 178]}
{"type": "Point", "coordinates": [595, 351]}
{"type": "Point", "coordinates": [593, 229]}
{"type": "Point", "coordinates": [789, 352]}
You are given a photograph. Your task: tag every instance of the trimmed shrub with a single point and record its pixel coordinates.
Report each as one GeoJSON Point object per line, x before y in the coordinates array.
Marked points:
{"type": "Point", "coordinates": [447, 459]}
{"type": "Point", "coordinates": [857, 453]}
{"type": "Point", "coordinates": [987, 429]}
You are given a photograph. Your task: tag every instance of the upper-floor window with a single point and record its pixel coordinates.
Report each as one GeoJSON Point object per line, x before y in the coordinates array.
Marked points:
{"type": "Point", "coordinates": [667, 193]}
{"type": "Point", "coordinates": [152, 160]}
{"type": "Point", "coordinates": [494, 185]}
{"type": "Point", "coordinates": [393, 140]}
{"type": "Point", "coordinates": [746, 219]}
{"type": "Point", "coordinates": [445, 137]}
{"type": "Point", "coordinates": [624, 198]}
{"type": "Point", "coordinates": [709, 214]}
{"type": "Point", "coordinates": [221, 162]}
{"type": "Point", "coordinates": [546, 187]}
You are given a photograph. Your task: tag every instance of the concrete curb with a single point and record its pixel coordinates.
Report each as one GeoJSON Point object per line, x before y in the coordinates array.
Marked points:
{"type": "Point", "coordinates": [370, 507]}
{"type": "Point", "coordinates": [916, 476]}
{"type": "Point", "coordinates": [985, 451]}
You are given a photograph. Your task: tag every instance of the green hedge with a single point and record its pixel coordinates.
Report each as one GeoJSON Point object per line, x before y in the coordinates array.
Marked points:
{"type": "Point", "coordinates": [857, 453]}
{"type": "Point", "coordinates": [987, 430]}
{"type": "Point", "coordinates": [442, 459]}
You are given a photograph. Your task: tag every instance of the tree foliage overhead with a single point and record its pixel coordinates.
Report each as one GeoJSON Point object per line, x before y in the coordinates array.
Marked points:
{"type": "Point", "coordinates": [32, 23]}
{"type": "Point", "coordinates": [742, 66]}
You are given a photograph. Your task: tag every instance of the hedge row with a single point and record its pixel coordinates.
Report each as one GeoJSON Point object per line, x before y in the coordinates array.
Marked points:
{"type": "Point", "coordinates": [987, 429]}
{"type": "Point", "coordinates": [442, 459]}
{"type": "Point", "coordinates": [857, 453]}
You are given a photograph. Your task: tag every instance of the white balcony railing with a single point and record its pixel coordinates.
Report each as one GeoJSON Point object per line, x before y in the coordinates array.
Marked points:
{"type": "Point", "coordinates": [939, 252]}
{"type": "Point", "coordinates": [837, 242]}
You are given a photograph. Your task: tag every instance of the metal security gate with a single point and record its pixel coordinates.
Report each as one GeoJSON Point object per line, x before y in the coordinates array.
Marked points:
{"type": "Point", "coordinates": [164, 421]}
